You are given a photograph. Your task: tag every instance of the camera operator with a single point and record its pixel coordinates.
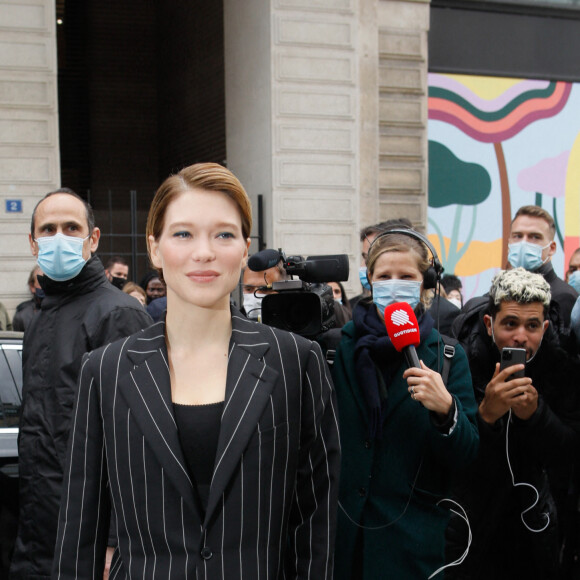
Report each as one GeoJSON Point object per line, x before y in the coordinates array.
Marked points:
{"type": "Point", "coordinates": [292, 293]}
{"type": "Point", "coordinates": [258, 284]}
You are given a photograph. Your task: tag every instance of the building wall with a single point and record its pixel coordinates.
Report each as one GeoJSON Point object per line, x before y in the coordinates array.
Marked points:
{"type": "Point", "coordinates": [403, 57]}
{"type": "Point", "coordinates": [328, 118]}
{"type": "Point", "coordinates": [29, 156]}
{"type": "Point", "coordinates": [325, 117]}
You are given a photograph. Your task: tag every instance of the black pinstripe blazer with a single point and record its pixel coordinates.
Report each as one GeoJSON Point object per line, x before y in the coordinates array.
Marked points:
{"type": "Point", "coordinates": [272, 503]}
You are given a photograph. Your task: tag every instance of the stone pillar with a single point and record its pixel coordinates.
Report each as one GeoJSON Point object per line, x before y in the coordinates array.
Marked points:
{"type": "Point", "coordinates": [29, 155]}
{"type": "Point", "coordinates": [403, 178]}
{"type": "Point", "coordinates": [292, 118]}
{"type": "Point", "coordinates": [326, 116]}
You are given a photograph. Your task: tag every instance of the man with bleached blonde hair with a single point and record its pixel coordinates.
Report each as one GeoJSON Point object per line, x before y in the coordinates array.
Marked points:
{"type": "Point", "coordinates": [529, 425]}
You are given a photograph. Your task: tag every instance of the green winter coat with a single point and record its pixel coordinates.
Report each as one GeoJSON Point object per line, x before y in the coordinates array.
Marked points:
{"type": "Point", "coordinates": [399, 479]}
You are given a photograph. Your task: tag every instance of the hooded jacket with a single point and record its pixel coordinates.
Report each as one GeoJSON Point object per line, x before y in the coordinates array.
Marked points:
{"type": "Point", "coordinates": [76, 316]}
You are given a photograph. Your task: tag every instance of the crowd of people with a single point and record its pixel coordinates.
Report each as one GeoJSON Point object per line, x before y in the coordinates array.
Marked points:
{"type": "Point", "coordinates": [166, 431]}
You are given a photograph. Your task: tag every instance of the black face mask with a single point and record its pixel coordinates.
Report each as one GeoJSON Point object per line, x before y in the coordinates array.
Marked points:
{"type": "Point", "coordinates": [38, 296]}
{"type": "Point", "coordinates": [118, 282]}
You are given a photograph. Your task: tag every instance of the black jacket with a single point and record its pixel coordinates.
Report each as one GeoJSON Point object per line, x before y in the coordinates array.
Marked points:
{"type": "Point", "coordinates": [76, 316]}
{"type": "Point", "coordinates": [562, 293]}
{"type": "Point", "coordinates": [24, 313]}
{"type": "Point", "coordinates": [443, 313]}
{"type": "Point", "coordinates": [271, 509]}
{"type": "Point", "coordinates": [540, 453]}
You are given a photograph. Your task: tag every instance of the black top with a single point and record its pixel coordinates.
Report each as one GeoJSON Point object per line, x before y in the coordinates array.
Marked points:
{"type": "Point", "coordinates": [199, 429]}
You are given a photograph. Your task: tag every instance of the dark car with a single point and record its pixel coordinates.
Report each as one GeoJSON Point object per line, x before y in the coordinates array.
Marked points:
{"type": "Point", "coordinates": [10, 403]}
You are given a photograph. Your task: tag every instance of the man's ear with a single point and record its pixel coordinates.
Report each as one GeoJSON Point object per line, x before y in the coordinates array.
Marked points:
{"type": "Point", "coordinates": [545, 326]}
{"type": "Point", "coordinates": [488, 321]}
{"type": "Point", "coordinates": [33, 245]}
{"type": "Point", "coordinates": [552, 248]}
{"type": "Point", "coordinates": [94, 239]}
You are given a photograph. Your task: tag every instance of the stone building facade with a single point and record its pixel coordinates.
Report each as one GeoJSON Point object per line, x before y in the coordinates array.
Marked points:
{"type": "Point", "coordinates": [325, 108]}
{"type": "Point", "coordinates": [29, 148]}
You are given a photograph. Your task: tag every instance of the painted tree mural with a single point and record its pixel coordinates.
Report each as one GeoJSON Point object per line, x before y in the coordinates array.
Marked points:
{"type": "Point", "coordinates": [455, 182]}
{"type": "Point", "coordinates": [496, 120]}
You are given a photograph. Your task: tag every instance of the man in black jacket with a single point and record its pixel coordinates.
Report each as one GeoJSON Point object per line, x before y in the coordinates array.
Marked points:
{"type": "Point", "coordinates": [81, 311]}
{"type": "Point", "coordinates": [529, 430]}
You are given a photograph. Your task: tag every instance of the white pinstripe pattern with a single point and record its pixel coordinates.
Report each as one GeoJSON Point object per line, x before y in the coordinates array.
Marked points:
{"type": "Point", "coordinates": [67, 502]}
{"type": "Point", "coordinates": [279, 396]}
{"type": "Point", "coordinates": [258, 507]}
{"type": "Point", "coordinates": [165, 523]}
{"type": "Point", "coordinates": [241, 517]}
{"type": "Point", "coordinates": [271, 493]}
{"type": "Point", "coordinates": [122, 505]}
{"type": "Point", "coordinates": [223, 534]}
{"type": "Point", "coordinates": [218, 462]}
{"type": "Point", "coordinates": [171, 451]}
{"type": "Point", "coordinates": [115, 570]}
{"type": "Point", "coordinates": [287, 440]}
{"type": "Point", "coordinates": [205, 561]}
{"type": "Point", "coordinates": [84, 480]}
{"type": "Point", "coordinates": [147, 508]}
{"type": "Point", "coordinates": [184, 542]}
{"type": "Point", "coordinates": [133, 495]}
{"type": "Point", "coordinates": [169, 411]}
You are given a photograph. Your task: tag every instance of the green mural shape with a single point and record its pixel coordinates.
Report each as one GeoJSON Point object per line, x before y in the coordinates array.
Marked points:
{"type": "Point", "coordinates": [454, 181]}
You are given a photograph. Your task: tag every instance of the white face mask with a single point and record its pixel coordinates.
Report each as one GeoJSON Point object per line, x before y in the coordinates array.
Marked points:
{"type": "Point", "coordinates": [455, 302]}
{"type": "Point", "coordinates": [253, 305]}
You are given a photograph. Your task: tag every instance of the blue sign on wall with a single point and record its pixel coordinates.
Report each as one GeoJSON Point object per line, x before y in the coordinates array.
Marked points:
{"type": "Point", "coordinates": [13, 206]}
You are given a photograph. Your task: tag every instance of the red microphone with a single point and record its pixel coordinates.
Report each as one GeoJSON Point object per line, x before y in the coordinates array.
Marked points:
{"type": "Point", "coordinates": [403, 330]}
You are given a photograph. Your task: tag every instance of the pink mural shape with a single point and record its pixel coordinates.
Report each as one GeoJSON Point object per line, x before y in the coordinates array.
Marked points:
{"type": "Point", "coordinates": [547, 177]}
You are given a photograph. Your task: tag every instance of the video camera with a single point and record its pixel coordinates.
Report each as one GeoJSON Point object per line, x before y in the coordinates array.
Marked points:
{"type": "Point", "coordinates": [304, 306]}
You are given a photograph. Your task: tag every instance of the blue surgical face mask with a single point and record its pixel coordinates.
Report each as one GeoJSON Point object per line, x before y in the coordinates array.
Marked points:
{"type": "Point", "coordinates": [60, 257]}
{"type": "Point", "coordinates": [362, 274]}
{"type": "Point", "coordinates": [526, 255]}
{"type": "Point", "coordinates": [386, 292]}
{"type": "Point", "coordinates": [574, 280]}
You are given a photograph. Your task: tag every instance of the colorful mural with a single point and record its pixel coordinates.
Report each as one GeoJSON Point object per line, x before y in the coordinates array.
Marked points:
{"type": "Point", "coordinates": [496, 144]}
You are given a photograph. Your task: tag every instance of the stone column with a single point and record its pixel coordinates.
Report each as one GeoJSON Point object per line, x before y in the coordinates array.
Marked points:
{"type": "Point", "coordinates": [292, 118]}
{"type": "Point", "coordinates": [29, 154]}
{"type": "Point", "coordinates": [403, 177]}
{"type": "Point", "coordinates": [326, 116]}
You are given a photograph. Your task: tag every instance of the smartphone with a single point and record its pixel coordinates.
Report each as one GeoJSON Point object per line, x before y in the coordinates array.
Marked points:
{"type": "Point", "coordinates": [513, 356]}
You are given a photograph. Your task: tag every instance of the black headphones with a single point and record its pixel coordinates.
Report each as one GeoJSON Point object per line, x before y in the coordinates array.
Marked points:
{"type": "Point", "coordinates": [433, 274]}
